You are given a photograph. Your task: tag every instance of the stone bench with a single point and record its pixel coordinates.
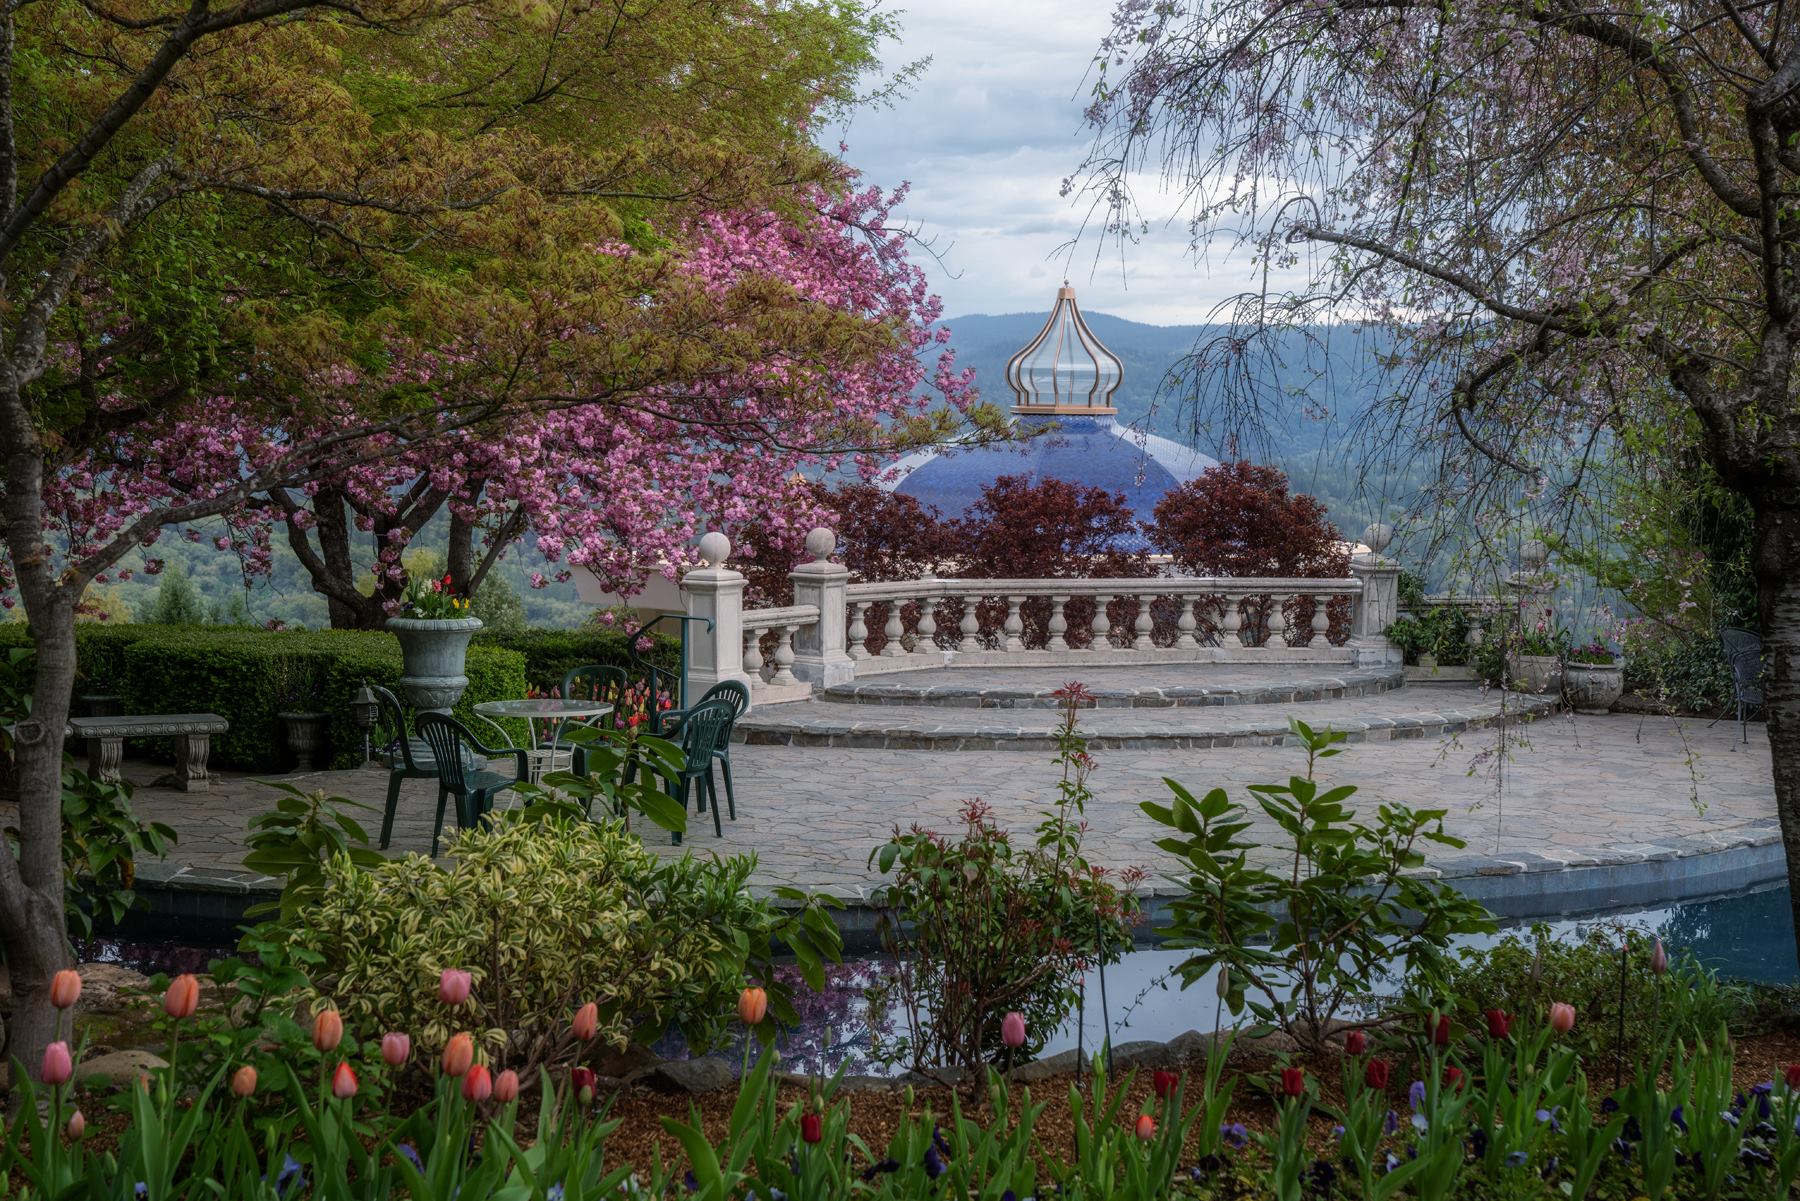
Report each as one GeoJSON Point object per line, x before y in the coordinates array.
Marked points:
{"type": "Point", "coordinates": [192, 732]}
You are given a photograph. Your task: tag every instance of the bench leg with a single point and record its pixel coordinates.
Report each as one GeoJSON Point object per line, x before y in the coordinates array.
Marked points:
{"type": "Point", "coordinates": [104, 757]}
{"type": "Point", "coordinates": [191, 752]}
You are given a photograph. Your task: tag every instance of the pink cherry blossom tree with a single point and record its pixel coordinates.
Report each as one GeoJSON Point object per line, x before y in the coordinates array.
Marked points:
{"type": "Point", "coordinates": [1564, 221]}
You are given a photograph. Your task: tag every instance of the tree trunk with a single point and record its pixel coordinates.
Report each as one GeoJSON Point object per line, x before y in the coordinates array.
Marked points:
{"type": "Point", "coordinates": [1777, 568]}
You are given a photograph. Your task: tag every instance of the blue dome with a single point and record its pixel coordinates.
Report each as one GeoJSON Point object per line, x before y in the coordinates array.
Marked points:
{"type": "Point", "coordinates": [1094, 452]}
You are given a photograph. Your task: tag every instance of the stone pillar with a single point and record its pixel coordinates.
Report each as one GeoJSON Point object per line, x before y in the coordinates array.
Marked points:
{"type": "Point", "coordinates": [1379, 603]}
{"type": "Point", "coordinates": [820, 654]}
{"type": "Point", "coordinates": [1531, 585]}
{"type": "Point", "coordinates": [715, 591]}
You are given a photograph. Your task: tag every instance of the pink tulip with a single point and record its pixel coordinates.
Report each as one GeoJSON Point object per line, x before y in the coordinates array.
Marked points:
{"type": "Point", "coordinates": [1562, 1017]}
{"type": "Point", "coordinates": [1659, 958]}
{"type": "Point", "coordinates": [396, 1048]}
{"type": "Point", "coordinates": [77, 1125]}
{"type": "Point", "coordinates": [343, 1082]}
{"type": "Point", "coordinates": [58, 1065]}
{"type": "Point", "coordinates": [243, 1081]}
{"type": "Point", "coordinates": [1012, 1029]}
{"type": "Point", "coordinates": [506, 1086]}
{"type": "Point", "coordinates": [454, 985]}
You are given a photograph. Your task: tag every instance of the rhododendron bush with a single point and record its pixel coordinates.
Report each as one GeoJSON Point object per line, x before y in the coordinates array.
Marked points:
{"type": "Point", "coordinates": [1563, 224]}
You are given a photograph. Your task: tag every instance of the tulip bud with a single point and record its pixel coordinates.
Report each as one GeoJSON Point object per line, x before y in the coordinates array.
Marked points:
{"type": "Point", "coordinates": [587, 1022]}
{"type": "Point", "coordinates": [1377, 1073]}
{"type": "Point", "coordinates": [1293, 1082]}
{"type": "Point", "coordinates": [58, 1064]}
{"type": "Point", "coordinates": [328, 1029]}
{"type": "Point", "coordinates": [583, 1081]}
{"type": "Point", "coordinates": [1355, 1043]}
{"type": "Point", "coordinates": [1562, 1017]}
{"type": "Point", "coordinates": [1223, 986]}
{"type": "Point", "coordinates": [1012, 1029]}
{"type": "Point", "coordinates": [477, 1083]}
{"type": "Point", "coordinates": [77, 1125]}
{"type": "Point", "coordinates": [65, 988]}
{"type": "Point", "coordinates": [812, 1127]}
{"type": "Point", "coordinates": [343, 1082]}
{"type": "Point", "coordinates": [1163, 1083]}
{"type": "Point", "coordinates": [396, 1048]}
{"type": "Point", "coordinates": [243, 1081]}
{"type": "Point", "coordinates": [454, 985]}
{"type": "Point", "coordinates": [1146, 1127]}
{"type": "Point", "coordinates": [753, 1005]}
{"type": "Point", "coordinates": [506, 1086]}
{"type": "Point", "coordinates": [1437, 1025]}
{"type": "Point", "coordinates": [459, 1053]}
{"type": "Point", "coordinates": [182, 997]}
{"type": "Point", "coordinates": [1659, 958]}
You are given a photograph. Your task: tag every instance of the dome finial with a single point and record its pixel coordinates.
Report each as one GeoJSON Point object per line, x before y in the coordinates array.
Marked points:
{"type": "Point", "coordinates": [1065, 369]}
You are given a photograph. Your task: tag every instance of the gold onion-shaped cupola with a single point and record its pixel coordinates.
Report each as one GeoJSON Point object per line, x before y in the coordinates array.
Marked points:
{"type": "Point", "coordinates": [1065, 369]}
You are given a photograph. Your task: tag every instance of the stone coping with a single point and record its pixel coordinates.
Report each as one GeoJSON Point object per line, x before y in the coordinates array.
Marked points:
{"type": "Point", "coordinates": [1027, 688]}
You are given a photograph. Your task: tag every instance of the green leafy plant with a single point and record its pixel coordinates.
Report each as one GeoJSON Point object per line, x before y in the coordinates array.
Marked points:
{"type": "Point", "coordinates": [299, 841]}
{"type": "Point", "coordinates": [1335, 905]}
{"type": "Point", "coordinates": [101, 842]}
{"type": "Point", "coordinates": [432, 600]}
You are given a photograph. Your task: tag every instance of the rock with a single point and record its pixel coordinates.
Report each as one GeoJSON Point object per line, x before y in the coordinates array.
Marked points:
{"type": "Point", "coordinates": [1141, 1054]}
{"type": "Point", "coordinates": [117, 1067]}
{"type": "Point", "coordinates": [1042, 1069]}
{"type": "Point", "coordinates": [620, 1065]}
{"type": "Point", "coordinates": [110, 987]}
{"type": "Point", "coordinates": [686, 1076]}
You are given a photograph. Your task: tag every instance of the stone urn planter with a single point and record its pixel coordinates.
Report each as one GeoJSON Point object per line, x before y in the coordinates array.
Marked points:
{"type": "Point", "coordinates": [306, 733]}
{"type": "Point", "coordinates": [1593, 687]}
{"type": "Point", "coordinates": [432, 652]}
{"type": "Point", "coordinates": [1535, 673]}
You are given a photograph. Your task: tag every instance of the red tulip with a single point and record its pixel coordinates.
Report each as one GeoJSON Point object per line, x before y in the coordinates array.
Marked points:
{"type": "Point", "coordinates": [1012, 1029]}
{"type": "Point", "coordinates": [58, 1064]}
{"type": "Point", "coordinates": [1163, 1083]}
{"type": "Point", "coordinates": [1453, 1077]}
{"type": "Point", "coordinates": [506, 1086]}
{"type": "Point", "coordinates": [77, 1125]}
{"type": "Point", "coordinates": [587, 1022]}
{"type": "Point", "coordinates": [1146, 1127]}
{"type": "Point", "coordinates": [343, 1082]}
{"type": "Point", "coordinates": [182, 998]}
{"type": "Point", "coordinates": [454, 985]}
{"type": "Point", "coordinates": [753, 1006]}
{"type": "Point", "coordinates": [1293, 1082]}
{"type": "Point", "coordinates": [396, 1048]}
{"type": "Point", "coordinates": [477, 1083]}
{"type": "Point", "coordinates": [583, 1081]}
{"type": "Point", "coordinates": [812, 1127]}
{"type": "Point", "coordinates": [1438, 1027]}
{"type": "Point", "coordinates": [459, 1053]}
{"type": "Point", "coordinates": [328, 1030]}
{"type": "Point", "coordinates": [1499, 1023]}
{"type": "Point", "coordinates": [243, 1081]}
{"type": "Point", "coordinates": [1562, 1017]}
{"type": "Point", "coordinates": [1355, 1043]}
{"type": "Point", "coordinates": [1793, 1076]}
{"type": "Point", "coordinates": [1377, 1073]}
{"type": "Point", "coordinates": [65, 988]}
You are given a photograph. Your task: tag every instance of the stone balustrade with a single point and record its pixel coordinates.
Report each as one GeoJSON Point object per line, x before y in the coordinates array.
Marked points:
{"type": "Point", "coordinates": [837, 630]}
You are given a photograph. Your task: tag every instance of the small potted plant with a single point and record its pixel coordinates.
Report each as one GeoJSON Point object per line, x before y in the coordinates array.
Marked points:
{"type": "Point", "coordinates": [434, 625]}
{"type": "Point", "coordinates": [1535, 664]}
{"type": "Point", "coordinates": [304, 723]}
{"type": "Point", "coordinates": [1593, 678]}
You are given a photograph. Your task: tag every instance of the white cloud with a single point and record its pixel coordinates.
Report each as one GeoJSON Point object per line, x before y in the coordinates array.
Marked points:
{"type": "Point", "coordinates": [987, 135]}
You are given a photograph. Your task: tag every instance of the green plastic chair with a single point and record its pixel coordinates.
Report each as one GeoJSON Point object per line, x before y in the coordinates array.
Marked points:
{"type": "Point", "coordinates": [589, 682]}
{"type": "Point", "coordinates": [669, 721]}
{"type": "Point", "coordinates": [455, 749]}
{"type": "Point", "coordinates": [409, 758]}
{"type": "Point", "coordinates": [702, 729]}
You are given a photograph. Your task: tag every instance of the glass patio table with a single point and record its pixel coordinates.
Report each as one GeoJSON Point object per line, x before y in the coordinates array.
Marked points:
{"type": "Point", "coordinates": [545, 755]}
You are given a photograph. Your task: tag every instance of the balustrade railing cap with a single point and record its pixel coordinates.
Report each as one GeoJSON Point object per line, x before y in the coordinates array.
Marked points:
{"type": "Point", "coordinates": [715, 548]}
{"type": "Point", "coordinates": [820, 543]}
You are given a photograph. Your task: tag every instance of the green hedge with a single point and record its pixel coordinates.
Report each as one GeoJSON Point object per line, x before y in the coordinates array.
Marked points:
{"type": "Point", "coordinates": [550, 654]}
{"type": "Point", "coordinates": [248, 676]}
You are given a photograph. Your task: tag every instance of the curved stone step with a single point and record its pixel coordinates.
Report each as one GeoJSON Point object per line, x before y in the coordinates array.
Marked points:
{"type": "Point", "coordinates": [1392, 715]}
{"type": "Point", "coordinates": [1175, 685]}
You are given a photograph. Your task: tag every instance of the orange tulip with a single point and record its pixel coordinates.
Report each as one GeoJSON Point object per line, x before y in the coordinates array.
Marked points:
{"type": "Point", "coordinates": [1146, 1127]}
{"type": "Point", "coordinates": [243, 1081]}
{"type": "Point", "coordinates": [506, 1086]}
{"type": "Point", "coordinates": [183, 997]}
{"type": "Point", "coordinates": [459, 1053]}
{"type": "Point", "coordinates": [587, 1022]}
{"type": "Point", "coordinates": [65, 988]}
{"type": "Point", "coordinates": [753, 1006]}
{"type": "Point", "coordinates": [328, 1029]}
{"type": "Point", "coordinates": [477, 1083]}
{"type": "Point", "coordinates": [343, 1082]}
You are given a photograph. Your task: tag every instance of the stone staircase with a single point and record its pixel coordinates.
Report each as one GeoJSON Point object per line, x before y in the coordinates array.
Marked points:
{"type": "Point", "coordinates": [1155, 706]}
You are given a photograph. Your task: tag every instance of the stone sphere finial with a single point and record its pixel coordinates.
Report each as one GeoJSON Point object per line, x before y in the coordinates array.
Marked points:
{"type": "Point", "coordinates": [1377, 536]}
{"type": "Point", "coordinates": [820, 543]}
{"type": "Point", "coordinates": [1533, 554]}
{"type": "Point", "coordinates": [715, 548]}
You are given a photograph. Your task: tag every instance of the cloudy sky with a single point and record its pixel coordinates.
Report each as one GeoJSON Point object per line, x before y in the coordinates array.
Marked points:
{"type": "Point", "coordinates": [986, 136]}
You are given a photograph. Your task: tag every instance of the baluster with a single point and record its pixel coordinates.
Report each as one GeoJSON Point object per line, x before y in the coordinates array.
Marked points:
{"type": "Point", "coordinates": [970, 625]}
{"type": "Point", "coordinates": [1277, 624]}
{"type": "Point", "coordinates": [1144, 624]}
{"type": "Point", "coordinates": [1058, 626]}
{"type": "Point", "coordinates": [784, 656]}
{"type": "Point", "coordinates": [927, 638]}
{"type": "Point", "coordinates": [1015, 625]}
{"type": "Point", "coordinates": [1321, 622]}
{"type": "Point", "coordinates": [1186, 624]}
{"type": "Point", "coordinates": [1102, 624]}
{"type": "Point", "coordinates": [1231, 627]}
{"type": "Point", "coordinates": [893, 630]}
{"type": "Point", "coordinates": [753, 660]}
{"type": "Point", "coordinates": [859, 630]}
